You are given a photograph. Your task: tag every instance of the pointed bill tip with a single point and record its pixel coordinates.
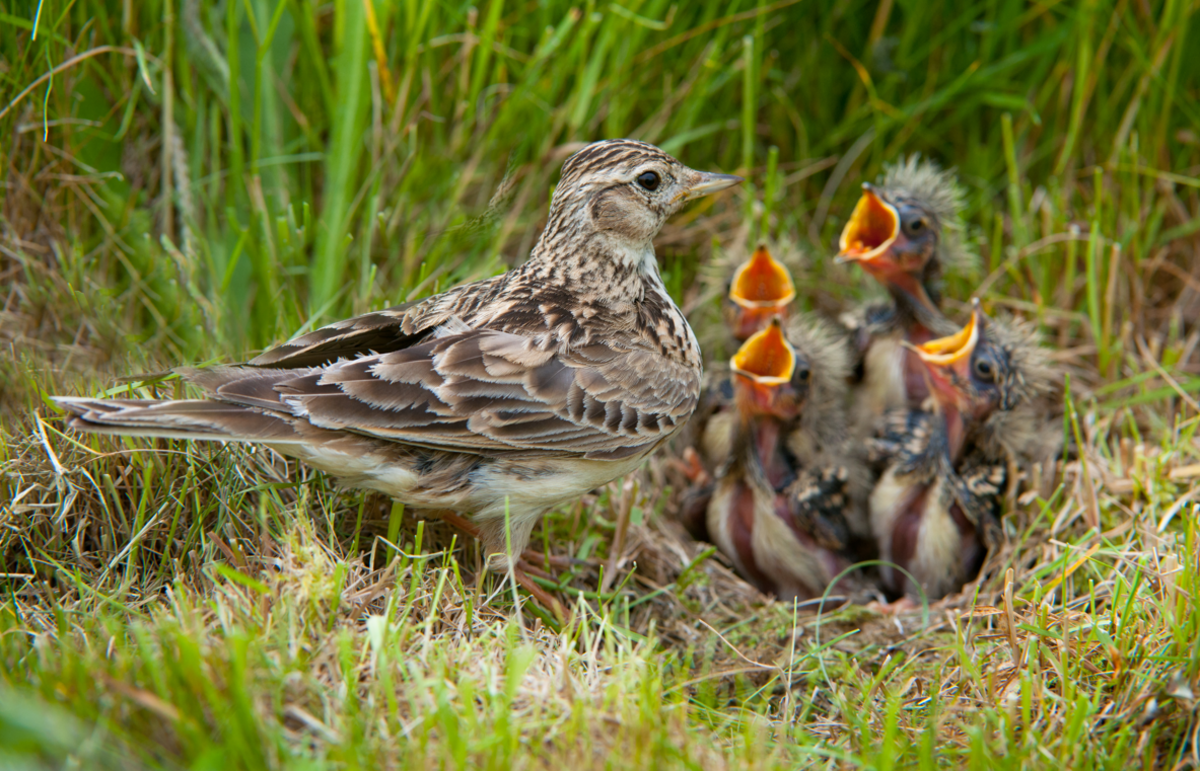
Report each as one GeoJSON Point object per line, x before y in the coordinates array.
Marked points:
{"type": "Point", "coordinates": [979, 318]}
{"type": "Point", "coordinates": [747, 320]}
{"type": "Point", "coordinates": [707, 183]}
{"type": "Point", "coordinates": [69, 404]}
{"type": "Point", "coordinates": [952, 349]}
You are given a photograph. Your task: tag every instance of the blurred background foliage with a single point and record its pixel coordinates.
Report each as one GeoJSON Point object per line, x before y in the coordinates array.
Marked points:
{"type": "Point", "coordinates": [186, 177]}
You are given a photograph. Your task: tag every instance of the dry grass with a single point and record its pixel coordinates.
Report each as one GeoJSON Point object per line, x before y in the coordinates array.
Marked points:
{"type": "Point", "coordinates": [174, 605]}
{"type": "Point", "coordinates": [203, 601]}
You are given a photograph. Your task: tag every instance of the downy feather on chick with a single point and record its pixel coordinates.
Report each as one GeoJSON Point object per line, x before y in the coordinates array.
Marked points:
{"type": "Point", "coordinates": [935, 510]}
{"type": "Point", "coordinates": [786, 489]}
{"type": "Point", "coordinates": [905, 231]}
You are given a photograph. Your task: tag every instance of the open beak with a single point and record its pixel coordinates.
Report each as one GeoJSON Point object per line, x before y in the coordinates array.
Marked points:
{"type": "Point", "coordinates": [874, 240]}
{"type": "Point", "coordinates": [763, 369]}
{"type": "Point", "coordinates": [873, 228]}
{"type": "Point", "coordinates": [704, 183]}
{"type": "Point", "coordinates": [761, 288]}
{"type": "Point", "coordinates": [948, 359]}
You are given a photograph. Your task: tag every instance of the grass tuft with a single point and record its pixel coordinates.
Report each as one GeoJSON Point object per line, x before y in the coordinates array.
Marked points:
{"type": "Point", "coordinates": [190, 181]}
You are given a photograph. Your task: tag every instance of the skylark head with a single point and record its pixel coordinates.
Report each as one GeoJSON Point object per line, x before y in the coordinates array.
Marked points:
{"type": "Point", "coordinates": [624, 190]}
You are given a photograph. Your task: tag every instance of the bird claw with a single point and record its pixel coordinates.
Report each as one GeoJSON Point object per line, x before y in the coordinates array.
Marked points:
{"type": "Point", "coordinates": [905, 604]}
{"type": "Point", "coordinates": [818, 504]}
{"type": "Point", "coordinates": [521, 573]}
{"type": "Point", "coordinates": [523, 568]}
{"type": "Point", "coordinates": [692, 467]}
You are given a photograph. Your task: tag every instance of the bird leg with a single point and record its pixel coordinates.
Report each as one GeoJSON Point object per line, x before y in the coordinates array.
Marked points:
{"type": "Point", "coordinates": [817, 503]}
{"type": "Point", "coordinates": [692, 467]}
{"type": "Point", "coordinates": [544, 598]}
{"type": "Point", "coordinates": [522, 567]}
{"type": "Point", "coordinates": [528, 556]}
{"type": "Point", "coordinates": [534, 557]}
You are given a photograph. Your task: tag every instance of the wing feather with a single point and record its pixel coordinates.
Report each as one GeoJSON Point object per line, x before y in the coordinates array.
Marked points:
{"type": "Point", "coordinates": [482, 391]}
{"type": "Point", "coordinates": [372, 332]}
{"type": "Point", "coordinates": [392, 329]}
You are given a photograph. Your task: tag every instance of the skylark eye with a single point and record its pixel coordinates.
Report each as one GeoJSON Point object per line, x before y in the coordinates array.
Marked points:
{"type": "Point", "coordinates": [649, 180]}
{"type": "Point", "coordinates": [917, 225]}
{"type": "Point", "coordinates": [803, 374]}
{"type": "Point", "coordinates": [984, 370]}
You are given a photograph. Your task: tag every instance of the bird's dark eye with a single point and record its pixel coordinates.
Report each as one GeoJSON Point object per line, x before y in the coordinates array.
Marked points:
{"type": "Point", "coordinates": [984, 370]}
{"type": "Point", "coordinates": [648, 180]}
{"type": "Point", "coordinates": [803, 374]}
{"type": "Point", "coordinates": [917, 225]}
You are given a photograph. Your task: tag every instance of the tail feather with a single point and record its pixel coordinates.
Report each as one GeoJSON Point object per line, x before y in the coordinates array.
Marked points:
{"type": "Point", "coordinates": [243, 385]}
{"type": "Point", "coordinates": [179, 419]}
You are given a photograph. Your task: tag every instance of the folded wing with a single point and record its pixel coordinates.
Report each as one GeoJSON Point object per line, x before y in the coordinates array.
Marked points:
{"type": "Point", "coordinates": [391, 329]}
{"type": "Point", "coordinates": [481, 391]}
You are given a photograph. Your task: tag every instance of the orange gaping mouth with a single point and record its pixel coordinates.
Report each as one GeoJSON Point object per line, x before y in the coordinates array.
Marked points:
{"type": "Point", "coordinates": [767, 357]}
{"type": "Point", "coordinates": [950, 350]}
{"type": "Point", "coordinates": [762, 282]}
{"type": "Point", "coordinates": [872, 228]}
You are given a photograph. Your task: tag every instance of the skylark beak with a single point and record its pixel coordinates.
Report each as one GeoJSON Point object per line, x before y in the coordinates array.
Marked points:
{"type": "Point", "coordinates": [948, 359]}
{"type": "Point", "coordinates": [872, 229]}
{"type": "Point", "coordinates": [761, 288]}
{"type": "Point", "coordinates": [954, 349]}
{"type": "Point", "coordinates": [707, 182]}
{"type": "Point", "coordinates": [764, 366]}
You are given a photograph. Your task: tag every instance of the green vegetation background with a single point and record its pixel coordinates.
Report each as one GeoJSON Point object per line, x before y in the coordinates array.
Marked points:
{"type": "Point", "coordinates": [190, 181]}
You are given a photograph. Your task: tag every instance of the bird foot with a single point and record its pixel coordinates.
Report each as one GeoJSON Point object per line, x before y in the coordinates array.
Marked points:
{"type": "Point", "coordinates": [692, 467]}
{"type": "Point", "coordinates": [522, 574]}
{"type": "Point", "coordinates": [817, 502]}
{"type": "Point", "coordinates": [523, 569]}
{"type": "Point", "coordinates": [905, 604]}
{"type": "Point", "coordinates": [544, 560]}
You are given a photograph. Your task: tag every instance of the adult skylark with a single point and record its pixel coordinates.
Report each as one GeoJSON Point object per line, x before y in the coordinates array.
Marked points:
{"type": "Point", "coordinates": [499, 399]}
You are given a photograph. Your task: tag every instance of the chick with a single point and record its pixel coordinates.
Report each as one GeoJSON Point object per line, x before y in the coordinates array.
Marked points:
{"type": "Point", "coordinates": [819, 440]}
{"type": "Point", "coordinates": [903, 232]}
{"type": "Point", "coordinates": [935, 511]}
{"type": "Point", "coordinates": [737, 293]}
{"type": "Point", "coordinates": [777, 508]}
{"type": "Point", "coordinates": [758, 289]}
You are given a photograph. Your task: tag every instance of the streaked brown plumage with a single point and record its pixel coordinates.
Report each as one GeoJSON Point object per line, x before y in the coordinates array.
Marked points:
{"type": "Point", "coordinates": [778, 504]}
{"type": "Point", "coordinates": [935, 509]}
{"type": "Point", "coordinates": [904, 232]}
{"type": "Point", "coordinates": [500, 398]}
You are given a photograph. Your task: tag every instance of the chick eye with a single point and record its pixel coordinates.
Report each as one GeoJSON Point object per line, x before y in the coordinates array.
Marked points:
{"type": "Point", "coordinates": [917, 225]}
{"type": "Point", "coordinates": [803, 374]}
{"type": "Point", "coordinates": [984, 370]}
{"type": "Point", "coordinates": [649, 180]}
